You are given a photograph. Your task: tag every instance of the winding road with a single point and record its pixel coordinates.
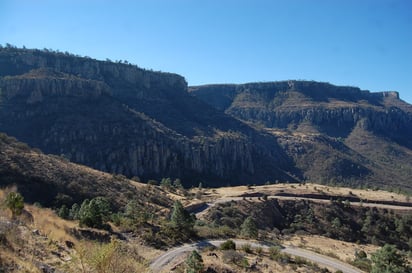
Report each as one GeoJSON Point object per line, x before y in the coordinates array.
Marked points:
{"type": "Point", "coordinates": [167, 258]}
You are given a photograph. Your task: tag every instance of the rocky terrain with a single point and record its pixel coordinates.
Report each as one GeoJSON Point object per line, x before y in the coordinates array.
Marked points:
{"type": "Point", "coordinates": [53, 181]}
{"type": "Point", "coordinates": [334, 134]}
{"type": "Point", "coordinates": [119, 118]}
{"type": "Point", "coordinates": [122, 119]}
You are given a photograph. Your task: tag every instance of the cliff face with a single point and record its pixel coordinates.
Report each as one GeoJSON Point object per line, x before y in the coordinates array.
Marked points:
{"type": "Point", "coordinates": [332, 110]}
{"type": "Point", "coordinates": [119, 118]}
{"type": "Point", "coordinates": [328, 130]}
{"type": "Point", "coordinates": [122, 119]}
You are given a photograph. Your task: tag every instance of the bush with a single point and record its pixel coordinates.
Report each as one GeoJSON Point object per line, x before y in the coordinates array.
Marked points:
{"type": "Point", "coordinates": [247, 248]}
{"type": "Point", "coordinates": [15, 202]}
{"type": "Point", "coordinates": [274, 253]}
{"type": "Point", "coordinates": [113, 257]}
{"type": "Point", "coordinates": [231, 256]}
{"type": "Point", "coordinates": [259, 250]}
{"type": "Point", "coordinates": [228, 245]}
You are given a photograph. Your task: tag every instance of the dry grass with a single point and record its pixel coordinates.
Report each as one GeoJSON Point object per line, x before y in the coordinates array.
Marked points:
{"type": "Point", "coordinates": [308, 188]}
{"type": "Point", "coordinates": [330, 247]}
{"type": "Point", "coordinates": [262, 263]}
{"type": "Point", "coordinates": [51, 225]}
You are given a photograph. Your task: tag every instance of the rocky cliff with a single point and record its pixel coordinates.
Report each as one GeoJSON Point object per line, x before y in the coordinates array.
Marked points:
{"type": "Point", "coordinates": [119, 118]}
{"type": "Point", "coordinates": [334, 133]}
{"type": "Point", "coordinates": [333, 110]}
{"type": "Point", "coordinates": [123, 119]}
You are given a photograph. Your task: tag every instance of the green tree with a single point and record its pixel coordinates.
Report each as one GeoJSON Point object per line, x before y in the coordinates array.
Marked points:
{"type": "Point", "coordinates": [94, 213]}
{"type": "Point", "coordinates": [181, 219]}
{"type": "Point", "coordinates": [64, 212]}
{"type": "Point", "coordinates": [166, 183]}
{"type": "Point", "coordinates": [336, 223]}
{"type": "Point", "coordinates": [194, 263]}
{"type": "Point", "coordinates": [74, 212]}
{"type": "Point", "coordinates": [15, 202]}
{"type": "Point", "coordinates": [136, 213]}
{"type": "Point", "coordinates": [178, 184]}
{"type": "Point", "coordinates": [249, 228]}
{"type": "Point", "coordinates": [389, 260]}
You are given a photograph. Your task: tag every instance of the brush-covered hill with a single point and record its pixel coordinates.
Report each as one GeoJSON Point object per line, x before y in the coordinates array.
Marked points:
{"type": "Point", "coordinates": [119, 118]}
{"type": "Point", "coordinates": [335, 134]}
{"type": "Point", "coordinates": [53, 181]}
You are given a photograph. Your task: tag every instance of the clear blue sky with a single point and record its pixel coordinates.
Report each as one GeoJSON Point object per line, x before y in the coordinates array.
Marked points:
{"type": "Point", "coordinates": [364, 43]}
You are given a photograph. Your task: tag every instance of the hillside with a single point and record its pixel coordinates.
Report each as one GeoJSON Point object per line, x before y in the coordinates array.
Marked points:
{"type": "Point", "coordinates": [334, 134]}
{"type": "Point", "coordinates": [53, 181]}
{"type": "Point", "coordinates": [119, 118]}
{"type": "Point", "coordinates": [140, 227]}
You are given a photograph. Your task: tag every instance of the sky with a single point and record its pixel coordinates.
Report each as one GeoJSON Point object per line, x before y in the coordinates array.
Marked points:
{"type": "Point", "coordinates": [363, 43]}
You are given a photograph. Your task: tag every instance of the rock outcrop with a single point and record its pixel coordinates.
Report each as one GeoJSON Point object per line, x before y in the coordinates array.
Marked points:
{"type": "Point", "coordinates": [119, 118]}
{"type": "Point", "coordinates": [328, 130]}
{"type": "Point", "coordinates": [123, 119]}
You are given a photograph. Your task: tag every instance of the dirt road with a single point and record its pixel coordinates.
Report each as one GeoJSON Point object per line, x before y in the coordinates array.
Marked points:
{"type": "Point", "coordinates": [203, 210]}
{"type": "Point", "coordinates": [167, 258]}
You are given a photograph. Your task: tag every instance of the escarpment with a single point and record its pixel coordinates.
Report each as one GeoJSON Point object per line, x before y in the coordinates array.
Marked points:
{"type": "Point", "coordinates": [333, 133]}
{"type": "Point", "coordinates": [333, 110]}
{"type": "Point", "coordinates": [123, 119]}
{"type": "Point", "coordinates": [119, 118]}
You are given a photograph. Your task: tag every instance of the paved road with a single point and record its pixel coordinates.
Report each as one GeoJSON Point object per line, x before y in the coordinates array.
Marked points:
{"type": "Point", "coordinates": [174, 254]}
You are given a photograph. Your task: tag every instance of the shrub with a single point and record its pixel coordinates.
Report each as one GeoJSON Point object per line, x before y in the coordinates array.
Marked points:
{"type": "Point", "coordinates": [228, 245]}
{"type": "Point", "coordinates": [259, 250]}
{"type": "Point", "coordinates": [247, 248]}
{"type": "Point", "coordinates": [274, 253]}
{"type": "Point", "coordinates": [194, 263]}
{"type": "Point", "coordinates": [15, 202]}
{"type": "Point", "coordinates": [231, 256]}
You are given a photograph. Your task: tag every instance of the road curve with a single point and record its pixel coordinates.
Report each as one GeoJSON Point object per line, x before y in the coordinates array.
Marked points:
{"type": "Point", "coordinates": [165, 259]}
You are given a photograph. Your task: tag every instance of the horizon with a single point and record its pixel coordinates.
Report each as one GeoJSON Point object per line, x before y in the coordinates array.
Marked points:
{"type": "Point", "coordinates": [359, 44]}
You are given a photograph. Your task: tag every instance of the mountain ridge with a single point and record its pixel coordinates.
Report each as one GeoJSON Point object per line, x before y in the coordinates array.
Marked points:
{"type": "Point", "coordinates": [119, 130]}
{"type": "Point", "coordinates": [324, 127]}
{"type": "Point", "coordinates": [119, 118]}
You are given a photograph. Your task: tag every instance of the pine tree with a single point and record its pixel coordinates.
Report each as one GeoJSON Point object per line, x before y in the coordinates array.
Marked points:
{"type": "Point", "coordinates": [74, 212]}
{"type": "Point", "coordinates": [94, 213]}
{"type": "Point", "coordinates": [389, 259]}
{"type": "Point", "coordinates": [181, 219]}
{"type": "Point", "coordinates": [64, 212]}
{"type": "Point", "coordinates": [249, 228]}
{"type": "Point", "coordinates": [194, 263]}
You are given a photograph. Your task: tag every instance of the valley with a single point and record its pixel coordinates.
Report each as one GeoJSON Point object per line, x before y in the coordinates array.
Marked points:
{"type": "Point", "coordinates": [108, 167]}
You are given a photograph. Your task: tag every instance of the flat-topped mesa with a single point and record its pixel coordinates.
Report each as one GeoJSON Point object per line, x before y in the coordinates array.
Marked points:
{"type": "Point", "coordinates": [38, 84]}
{"type": "Point", "coordinates": [334, 110]}
{"type": "Point", "coordinates": [132, 80]}
{"type": "Point", "coordinates": [387, 94]}
{"type": "Point", "coordinates": [311, 89]}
